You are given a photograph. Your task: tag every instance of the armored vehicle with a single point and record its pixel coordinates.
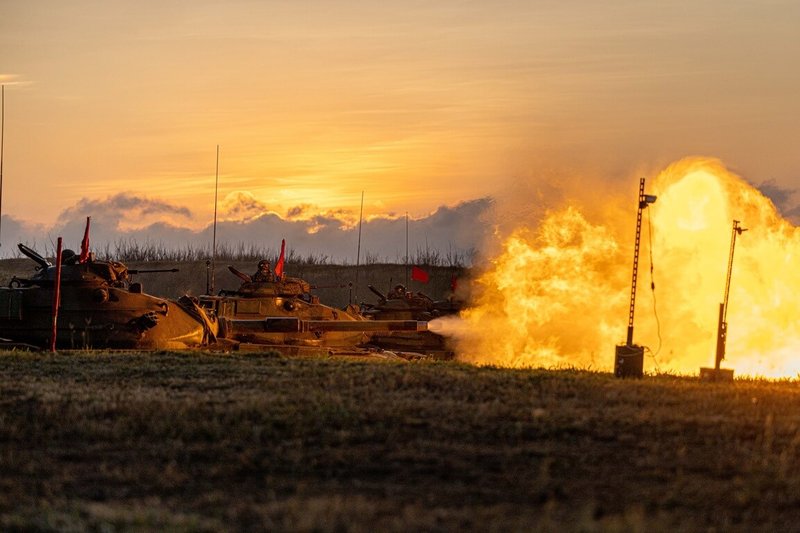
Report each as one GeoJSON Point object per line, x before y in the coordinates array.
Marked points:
{"type": "Point", "coordinates": [281, 312]}
{"type": "Point", "coordinates": [100, 307]}
{"type": "Point", "coordinates": [401, 304]}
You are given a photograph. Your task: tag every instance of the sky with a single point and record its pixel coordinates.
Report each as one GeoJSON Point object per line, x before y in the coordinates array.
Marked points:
{"type": "Point", "coordinates": [118, 107]}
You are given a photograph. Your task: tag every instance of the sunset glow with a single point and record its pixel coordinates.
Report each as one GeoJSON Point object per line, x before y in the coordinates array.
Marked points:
{"type": "Point", "coordinates": [516, 128]}
{"type": "Point", "coordinates": [420, 104]}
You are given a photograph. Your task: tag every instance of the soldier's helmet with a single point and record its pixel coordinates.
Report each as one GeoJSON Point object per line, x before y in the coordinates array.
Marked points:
{"type": "Point", "coordinates": [68, 256]}
{"type": "Point", "coordinates": [263, 264]}
{"type": "Point", "coordinates": [400, 289]}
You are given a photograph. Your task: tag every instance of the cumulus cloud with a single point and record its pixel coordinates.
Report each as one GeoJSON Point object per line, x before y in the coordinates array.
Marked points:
{"type": "Point", "coordinates": [298, 211]}
{"type": "Point", "coordinates": [121, 205]}
{"type": "Point", "coordinates": [242, 204]}
{"type": "Point", "coordinates": [114, 217]}
{"type": "Point", "coordinates": [118, 211]}
{"type": "Point", "coordinates": [449, 231]}
{"type": "Point", "coordinates": [14, 231]}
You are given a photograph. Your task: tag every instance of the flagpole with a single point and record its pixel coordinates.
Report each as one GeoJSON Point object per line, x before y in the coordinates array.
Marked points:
{"type": "Point", "coordinates": [358, 250]}
{"type": "Point", "coordinates": [214, 238]}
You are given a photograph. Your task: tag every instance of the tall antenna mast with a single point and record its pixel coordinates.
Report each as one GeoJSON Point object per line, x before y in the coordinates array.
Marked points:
{"type": "Point", "coordinates": [629, 359]}
{"type": "Point", "coordinates": [358, 250]}
{"type": "Point", "coordinates": [737, 230]}
{"type": "Point", "coordinates": [214, 238]}
{"type": "Point", "coordinates": [406, 248]}
{"type": "Point", "coordinates": [643, 202]}
{"type": "Point", "coordinates": [2, 138]}
{"type": "Point", "coordinates": [717, 373]}
{"type": "Point", "coordinates": [722, 327]}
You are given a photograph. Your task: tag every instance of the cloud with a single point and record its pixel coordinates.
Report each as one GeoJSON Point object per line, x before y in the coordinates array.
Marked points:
{"type": "Point", "coordinates": [121, 207]}
{"type": "Point", "coordinates": [297, 211]}
{"type": "Point", "coordinates": [344, 218]}
{"type": "Point", "coordinates": [450, 230]}
{"type": "Point", "coordinates": [115, 217]}
{"type": "Point", "coordinates": [242, 204]}
{"type": "Point", "coordinates": [782, 197]}
{"type": "Point", "coordinates": [14, 231]}
{"type": "Point", "coordinates": [462, 229]}
{"type": "Point", "coordinates": [13, 79]}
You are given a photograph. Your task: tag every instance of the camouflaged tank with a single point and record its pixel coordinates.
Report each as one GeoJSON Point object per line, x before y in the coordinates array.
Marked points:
{"type": "Point", "coordinates": [101, 307]}
{"type": "Point", "coordinates": [401, 304]}
{"type": "Point", "coordinates": [283, 314]}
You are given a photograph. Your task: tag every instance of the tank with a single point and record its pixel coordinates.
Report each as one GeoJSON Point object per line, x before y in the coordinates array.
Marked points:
{"type": "Point", "coordinates": [283, 314]}
{"type": "Point", "coordinates": [401, 304]}
{"type": "Point", "coordinates": [101, 307]}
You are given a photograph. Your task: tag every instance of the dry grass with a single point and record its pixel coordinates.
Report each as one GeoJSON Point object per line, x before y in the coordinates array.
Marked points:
{"type": "Point", "coordinates": [199, 442]}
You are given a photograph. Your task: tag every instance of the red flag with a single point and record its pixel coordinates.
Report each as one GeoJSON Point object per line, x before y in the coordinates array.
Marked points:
{"type": "Point", "coordinates": [417, 274]}
{"type": "Point", "coordinates": [453, 283]}
{"type": "Point", "coordinates": [85, 243]}
{"type": "Point", "coordinates": [281, 258]}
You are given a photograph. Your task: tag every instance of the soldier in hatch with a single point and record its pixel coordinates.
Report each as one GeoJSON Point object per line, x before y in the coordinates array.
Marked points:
{"type": "Point", "coordinates": [397, 293]}
{"type": "Point", "coordinates": [69, 257]}
{"type": "Point", "coordinates": [264, 272]}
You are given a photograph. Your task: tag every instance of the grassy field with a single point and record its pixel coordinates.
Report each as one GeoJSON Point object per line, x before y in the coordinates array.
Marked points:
{"type": "Point", "coordinates": [200, 442]}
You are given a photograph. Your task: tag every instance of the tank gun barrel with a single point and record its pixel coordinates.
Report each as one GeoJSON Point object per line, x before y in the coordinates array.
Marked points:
{"type": "Point", "coordinates": [364, 325]}
{"type": "Point", "coordinates": [296, 325]}
{"type": "Point", "coordinates": [239, 274]}
{"type": "Point", "coordinates": [151, 270]}
{"type": "Point", "coordinates": [375, 291]}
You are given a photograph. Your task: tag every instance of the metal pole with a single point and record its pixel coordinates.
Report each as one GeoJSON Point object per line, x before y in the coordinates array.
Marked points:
{"type": "Point", "coordinates": [2, 140]}
{"type": "Point", "coordinates": [406, 248]}
{"type": "Point", "coordinates": [737, 230]}
{"type": "Point", "coordinates": [644, 201]}
{"type": "Point", "coordinates": [635, 276]}
{"type": "Point", "coordinates": [214, 238]}
{"type": "Point", "coordinates": [358, 251]}
{"type": "Point", "coordinates": [208, 279]}
{"type": "Point", "coordinates": [629, 358]}
{"type": "Point", "coordinates": [722, 328]}
{"type": "Point", "coordinates": [56, 297]}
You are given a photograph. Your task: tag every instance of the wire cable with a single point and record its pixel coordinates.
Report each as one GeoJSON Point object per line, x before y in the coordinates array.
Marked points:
{"type": "Point", "coordinates": [653, 290]}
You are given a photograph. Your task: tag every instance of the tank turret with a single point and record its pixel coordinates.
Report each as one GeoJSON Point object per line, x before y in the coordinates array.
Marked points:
{"type": "Point", "coordinates": [401, 304]}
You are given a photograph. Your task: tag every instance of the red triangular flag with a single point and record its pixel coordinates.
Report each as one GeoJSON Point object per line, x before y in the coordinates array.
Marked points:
{"type": "Point", "coordinates": [281, 259]}
{"type": "Point", "coordinates": [417, 274]}
{"type": "Point", "coordinates": [85, 243]}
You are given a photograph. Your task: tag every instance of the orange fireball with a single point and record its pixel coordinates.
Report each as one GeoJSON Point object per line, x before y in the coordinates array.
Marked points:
{"type": "Point", "coordinates": [558, 293]}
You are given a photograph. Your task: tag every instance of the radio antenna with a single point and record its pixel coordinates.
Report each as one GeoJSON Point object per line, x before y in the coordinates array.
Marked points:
{"type": "Point", "coordinates": [2, 138]}
{"type": "Point", "coordinates": [629, 357]}
{"type": "Point", "coordinates": [358, 250]}
{"type": "Point", "coordinates": [406, 248]}
{"type": "Point", "coordinates": [717, 373]}
{"type": "Point", "coordinates": [214, 238]}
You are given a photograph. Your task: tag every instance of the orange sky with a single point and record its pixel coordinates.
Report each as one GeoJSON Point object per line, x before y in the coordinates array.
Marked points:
{"type": "Point", "coordinates": [417, 103]}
